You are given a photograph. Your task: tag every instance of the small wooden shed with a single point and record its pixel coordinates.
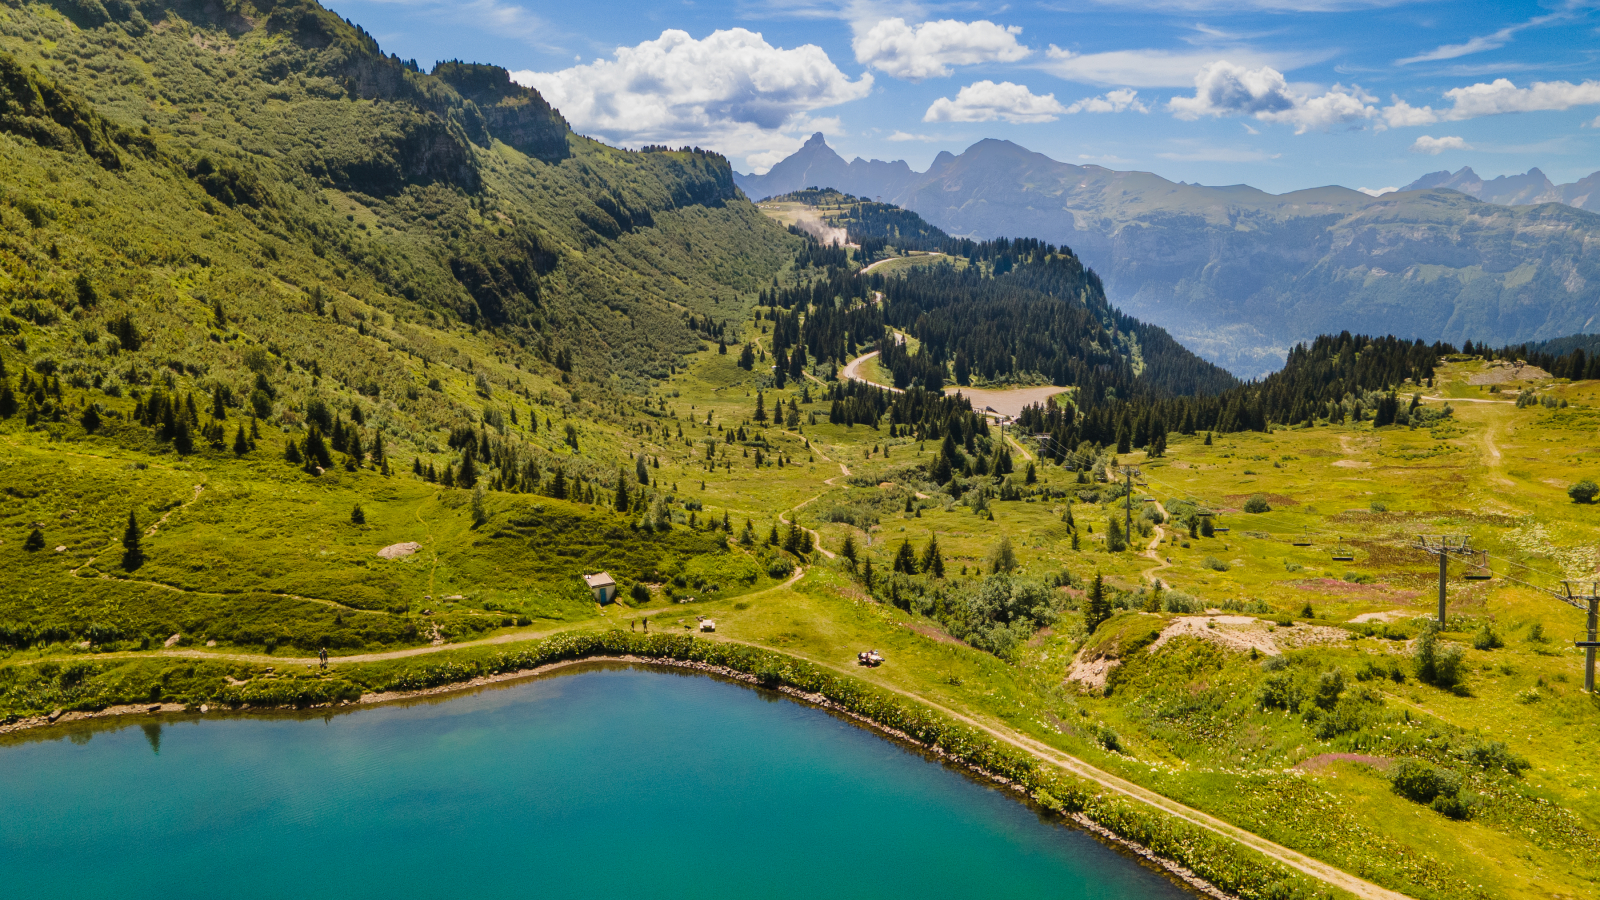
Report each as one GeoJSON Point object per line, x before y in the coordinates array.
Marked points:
{"type": "Point", "coordinates": [603, 586]}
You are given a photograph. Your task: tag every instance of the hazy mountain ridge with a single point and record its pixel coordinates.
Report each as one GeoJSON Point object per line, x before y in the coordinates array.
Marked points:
{"type": "Point", "coordinates": [1515, 190]}
{"type": "Point", "coordinates": [1240, 275]}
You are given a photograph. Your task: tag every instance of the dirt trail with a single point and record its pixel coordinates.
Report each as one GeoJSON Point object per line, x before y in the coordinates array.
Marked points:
{"type": "Point", "coordinates": [852, 371]}
{"type": "Point", "coordinates": [1292, 858]}
{"type": "Point", "coordinates": [1153, 549]}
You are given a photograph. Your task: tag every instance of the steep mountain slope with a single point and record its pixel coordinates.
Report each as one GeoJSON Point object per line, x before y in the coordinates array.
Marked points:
{"type": "Point", "coordinates": [1515, 190]}
{"type": "Point", "coordinates": [1240, 275]}
{"type": "Point", "coordinates": [296, 142]}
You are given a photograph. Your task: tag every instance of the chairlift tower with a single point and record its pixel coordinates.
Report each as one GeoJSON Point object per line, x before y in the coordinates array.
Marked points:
{"type": "Point", "coordinates": [1444, 546]}
{"type": "Point", "coordinates": [1589, 594]}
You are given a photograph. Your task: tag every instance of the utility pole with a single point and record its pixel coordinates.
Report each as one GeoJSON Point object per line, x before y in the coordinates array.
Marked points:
{"type": "Point", "coordinates": [1127, 473]}
{"type": "Point", "coordinates": [1442, 546]}
{"type": "Point", "coordinates": [1576, 593]}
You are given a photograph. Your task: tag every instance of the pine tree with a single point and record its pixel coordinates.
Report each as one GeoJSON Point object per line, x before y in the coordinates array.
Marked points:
{"type": "Point", "coordinates": [241, 444]}
{"type": "Point", "coordinates": [291, 452]}
{"type": "Point", "coordinates": [641, 471]}
{"type": "Point", "coordinates": [761, 412]}
{"type": "Point", "coordinates": [8, 401]}
{"type": "Point", "coordinates": [90, 419]}
{"type": "Point", "coordinates": [905, 560]}
{"type": "Point", "coordinates": [558, 485]}
{"type": "Point", "coordinates": [848, 549]}
{"type": "Point", "coordinates": [132, 548]}
{"type": "Point", "coordinates": [35, 541]}
{"type": "Point", "coordinates": [622, 500]}
{"type": "Point", "coordinates": [1096, 608]}
{"type": "Point", "coordinates": [183, 439]}
{"type": "Point", "coordinates": [772, 538]}
{"type": "Point", "coordinates": [468, 476]}
{"type": "Point", "coordinates": [932, 560]}
{"type": "Point", "coordinates": [358, 516]}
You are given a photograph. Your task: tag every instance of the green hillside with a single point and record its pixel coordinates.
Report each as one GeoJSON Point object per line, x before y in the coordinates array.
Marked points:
{"type": "Point", "coordinates": [302, 348]}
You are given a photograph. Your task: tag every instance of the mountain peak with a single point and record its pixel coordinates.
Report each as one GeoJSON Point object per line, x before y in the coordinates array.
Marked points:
{"type": "Point", "coordinates": [816, 140]}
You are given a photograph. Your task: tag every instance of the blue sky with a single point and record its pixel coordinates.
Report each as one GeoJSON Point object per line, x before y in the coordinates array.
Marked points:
{"type": "Point", "coordinates": [1280, 94]}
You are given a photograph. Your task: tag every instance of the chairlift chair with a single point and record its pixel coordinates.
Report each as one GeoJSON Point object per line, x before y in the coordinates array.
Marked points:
{"type": "Point", "coordinates": [1343, 553]}
{"type": "Point", "coordinates": [1480, 571]}
{"type": "Point", "coordinates": [1303, 540]}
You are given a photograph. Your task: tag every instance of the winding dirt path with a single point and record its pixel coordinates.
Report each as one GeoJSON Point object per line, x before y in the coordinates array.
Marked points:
{"type": "Point", "coordinates": [852, 371]}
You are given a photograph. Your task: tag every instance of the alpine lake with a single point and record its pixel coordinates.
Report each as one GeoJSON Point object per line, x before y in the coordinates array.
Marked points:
{"type": "Point", "coordinates": [598, 781]}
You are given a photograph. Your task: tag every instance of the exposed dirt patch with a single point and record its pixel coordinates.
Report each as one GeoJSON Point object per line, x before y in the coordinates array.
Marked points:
{"type": "Point", "coordinates": [1353, 464]}
{"type": "Point", "coordinates": [1092, 673]}
{"type": "Point", "coordinates": [1502, 372]}
{"type": "Point", "coordinates": [1233, 632]}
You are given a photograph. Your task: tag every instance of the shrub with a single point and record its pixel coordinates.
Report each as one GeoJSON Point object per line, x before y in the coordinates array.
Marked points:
{"type": "Point", "coordinates": [1440, 666]}
{"type": "Point", "coordinates": [1453, 806]}
{"type": "Point", "coordinates": [1494, 756]}
{"type": "Point", "coordinates": [1379, 506]}
{"type": "Point", "coordinates": [1584, 491]}
{"type": "Point", "coordinates": [1257, 504]}
{"type": "Point", "coordinates": [1280, 690]}
{"type": "Point", "coordinates": [1487, 638]}
{"type": "Point", "coordinates": [1214, 564]}
{"type": "Point", "coordinates": [1419, 782]}
{"type": "Point", "coordinates": [639, 593]}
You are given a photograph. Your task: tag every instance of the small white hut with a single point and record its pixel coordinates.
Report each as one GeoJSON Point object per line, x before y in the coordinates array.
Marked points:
{"type": "Point", "coordinates": [603, 586]}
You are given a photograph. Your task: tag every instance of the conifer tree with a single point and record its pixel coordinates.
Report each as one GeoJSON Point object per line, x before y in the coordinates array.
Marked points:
{"type": "Point", "coordinates": [90, 419]}
{"type": "Point", "coordinates": [416, 465]}
{"type": "Point", "coordinates": [132, 548]}
{"type": "Point", "coordinates": [905, 560]}
{"type": "Point", "coordinates": [932, 559]}
{"type": "Point", "coordinates": [558, 485]}
{"type": "Point", "coordinates": [848, 549]}
{"type": "Point", "coordinates": [641, 471]}
{"type": "Point", "coordinates": [35, 541]}
{"type": "Point", "coordinates": [358, 516]}
{"type": "Point", "coordinates": [241, 444]}
{"type": "Point", "coordinates": [761, 412]}
{"type": "Point", "coordinates": [1096, 608]}
{"type": "Point", "coordinates": [621, 503]}
{"type": "Point", "coordinates": [772, 538]}
{"type": "Point", "coordinates": [183, 439]}
{"type": "Point", "coordinates": [468, 475]}
{"type": "Point", "coordinates": [291, 452]}
{"type": "Point", "coordinates": [8, 401]}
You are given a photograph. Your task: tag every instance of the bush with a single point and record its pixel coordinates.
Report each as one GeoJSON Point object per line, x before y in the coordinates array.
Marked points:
{"type": "Point", "coordinates": [1379, 506]}
{"type": "Point", "coordinates": [1494, 756]}
{"type": "Point", "coordinates": [1214, 564]}
{"type": "Point", "coordinates": [1452, 806]}
{"type": "Point", "coordinates": [1419, 782]}
{"type": "Point", "coordinates": [1440, 666]}
{"type": "Point", "coordinates": [1584, 491]}
{"type": "Point", "coordinates": [1257, 504]}
{"type": "Point", "coordinates": [1487, 638]}
{"type": "Point", "coordinates": [640, 593]}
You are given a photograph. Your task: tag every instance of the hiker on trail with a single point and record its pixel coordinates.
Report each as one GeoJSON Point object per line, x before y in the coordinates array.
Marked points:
{"type": "Point", "coordinates": [322, 654]}
{"type": "Point", "coordinates": [646, 626]}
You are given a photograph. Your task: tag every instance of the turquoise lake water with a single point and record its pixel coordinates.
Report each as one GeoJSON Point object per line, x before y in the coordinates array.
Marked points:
{"type": "Point", "coordinates": [605, 783]}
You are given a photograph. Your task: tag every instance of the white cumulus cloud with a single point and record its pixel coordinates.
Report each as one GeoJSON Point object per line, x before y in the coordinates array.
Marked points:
{"type": "Point", "coordinates": [985, 101]}
{"type": "Point", "coordinates": [732, 90]}
{"type": "Point", "coordinates": [1493, 98]}
{"type": "Point", "coordinates": [1112, 101]}
{"type": "Point", "coordinates": [1434, 146]}
{"type": "Point", "coordinates": [930, 49]}
{"type": "Point", "coordinates": [1223, 88]}
{"type": "Point", "coordinates": [1154, 68]}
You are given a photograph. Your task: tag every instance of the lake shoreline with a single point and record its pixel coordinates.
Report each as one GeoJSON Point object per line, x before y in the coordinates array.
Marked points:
{"type": "Point", "coordinates": [1149, 857]}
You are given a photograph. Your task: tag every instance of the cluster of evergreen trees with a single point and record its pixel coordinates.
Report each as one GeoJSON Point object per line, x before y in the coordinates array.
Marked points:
{"type": "Point", "coordinates": [1332, 379]}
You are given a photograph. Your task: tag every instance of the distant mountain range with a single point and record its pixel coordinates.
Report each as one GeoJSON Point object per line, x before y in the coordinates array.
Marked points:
{"type": "Point", "coordinates": [1240, 275]}
{"type": "Point", "coordinates": [1515, 190]}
